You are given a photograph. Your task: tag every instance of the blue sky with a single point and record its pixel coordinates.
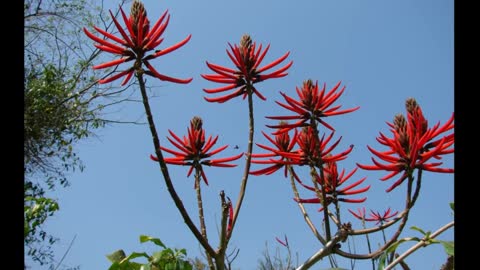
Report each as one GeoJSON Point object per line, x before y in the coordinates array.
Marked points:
{"type": "Point", "coordinates": [383, 52]}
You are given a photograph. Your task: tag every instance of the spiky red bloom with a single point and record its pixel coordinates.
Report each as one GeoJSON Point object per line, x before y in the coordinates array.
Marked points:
{"type": "Point", "coordinates": [282, 143]}
{"type": "Point", "coordinates": [332, 181]}
{"type": "Point", "coordinates": [136, 40]}
{"type": "Point", "coordinates": [374, 216]}
{"type": "Point", "coordinates": [313, 151]}
{"type": "Point", "coordinates": [312, 104]}
{"type": "Point", "coordinates": [247, 59]}
{"type": "Point", "coordinates": [412, 145]}
{"type": "Point", "coordinates": [195, 151]}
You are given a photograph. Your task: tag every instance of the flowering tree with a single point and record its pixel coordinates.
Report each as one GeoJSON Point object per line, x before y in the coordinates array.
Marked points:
{"type": "Point", "coordinates": [303, 146]}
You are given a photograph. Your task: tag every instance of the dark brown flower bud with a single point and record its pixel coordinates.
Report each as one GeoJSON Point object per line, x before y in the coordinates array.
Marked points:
{"type": "Point", "coordinates": [411, 105]}
{"type": "Point", "coordinates": [246, 42]}
{"type": "Point", "coordinates": [308, 84]}
{"type": "Point", "coordinates": [196, 123]}
{"type": "Point", "coordinates": [308, 93]}
{"type": "Point", "coordinates": [136, 10]}
{"type": "Point", "coordinates": [400, 123]}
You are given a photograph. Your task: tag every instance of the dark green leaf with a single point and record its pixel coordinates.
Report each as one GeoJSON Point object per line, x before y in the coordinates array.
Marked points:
{"type": "Point", "coordinates": [145, 267]}
{"type": "Point", "coordinates": [136, 255]}
{"type": "Point", "coordinates": [452, 206]}
{"type": "Point", "coordinates": [116, 256]}
{"type": "Point", "coordinates": [381, 261]}
{"type": "Point", "coordinates": [114, 266]}
{"type": "Point", "coordinates": [418, 229]}
{"type": "Point", "coordinates": [145, 238]}
{"type": "Point", "coordinates": [449, 247]}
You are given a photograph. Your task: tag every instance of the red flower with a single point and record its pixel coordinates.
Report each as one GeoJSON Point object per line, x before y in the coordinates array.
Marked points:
{"type": "Point", "coordinates": [247, 59]}
{"type": "Point", "coordinates": [374, 216]}
{"type": "Point", "coordinates": [313, 104]}
{"type": "Point", "coordinates": [283, 243]}
{"type": "Point", "coordinates": [134, 45]}
{"type": "Point", "coordinates": [412, 145]}
{"type": "Point", "coordinates": [282, 143]}
{"type": "Point", "coordinates": [331, 182]}
{"type": "Point", "coordinates": [312, 150]}
{"type": "Point", "coordinates": [230, 217]}
{"type": "Point", "coordinates": [195, 150]}
{"type": "Point", "coordinates": [361, 213]}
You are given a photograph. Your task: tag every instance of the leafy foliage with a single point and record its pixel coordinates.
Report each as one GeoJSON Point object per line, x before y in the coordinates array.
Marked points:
{"type": "Point", "coordinates": [165, 259]}
{"type": "Point", "coordinates": [60, 108]}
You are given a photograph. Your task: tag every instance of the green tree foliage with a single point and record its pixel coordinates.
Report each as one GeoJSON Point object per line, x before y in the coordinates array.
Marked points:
{"type": "Point", "coordinates": [164, 259]}
{"type": "Point", "coordinates": [62, 105]}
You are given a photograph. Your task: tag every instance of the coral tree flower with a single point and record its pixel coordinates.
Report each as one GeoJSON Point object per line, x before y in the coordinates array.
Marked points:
{"type": "Point", "coordinates": [313, 105]}
{"type": "Point", "coordinates": [374, 216]}
{"type": "Point", "coordinates": [412, 145]}
{"type": "Point", "coordinates": [282, 143]}
{"type": "Point", "coordinates": [135, 41]}
{"type": "Point", "coordinates": [314, 151]}
{"type": "Point", "coordinates": [331, 181]}
{"type": "Point", "coordinates": [247, 58]}
{"type": "Point", "coordinates": [195, 151]}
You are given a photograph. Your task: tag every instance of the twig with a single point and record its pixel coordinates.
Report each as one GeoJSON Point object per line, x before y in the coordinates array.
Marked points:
{"type": "Point", "coordinates": [66, 252]}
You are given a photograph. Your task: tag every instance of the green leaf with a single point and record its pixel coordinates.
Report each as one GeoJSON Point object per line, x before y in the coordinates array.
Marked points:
{"type": "Point", "coordinates": [394, 246]}
{"type": "Point", "coordinates": [136, 255]}
{"type": "Point", "coordinates": [449, 247]}
{"type": "Point", "coordinates": [145, 267]}
{"type": "Point", "coordinates": [171, 266]}
{"type": "Point", "coordinates": [381, 261]}
{"type": "Point", "coordinates": [145, 238]}
{"type": "Point", "coordinates": [114, 266]}
{"type": "Point", "coordinates": [452, 206]}
{"type": "Point", "coordinates": [418, 229]}
{"type": "Point", "coordinates": [116, 256]}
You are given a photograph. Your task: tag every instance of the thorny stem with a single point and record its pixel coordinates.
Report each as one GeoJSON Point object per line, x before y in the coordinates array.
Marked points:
{"type": "Point", "coordinates": [337, 210]}
{"type": "Point", "coordinates": [314, 126]}
{"type": "Point", "coordinates": [220, 257]}
{"type": "Point", "coordinates": [203, 228]}
{"type": "Point", "coordinates": [163, 167]}
{"type": "Point", "coordinates": [321, 194]}
{"type": "Point", "coordinates": [243, 185]}
{"type": "Point", "coordinates": [420, 244]}
{"type": "Point", "coordinates": [302, 208]}
{"type": "Point", "coordinates": [417, 189]}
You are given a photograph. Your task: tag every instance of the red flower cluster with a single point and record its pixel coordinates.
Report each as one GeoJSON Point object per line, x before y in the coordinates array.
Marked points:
{"type": "Point", "coordinates": [332, 181]}
{"type": "Point", "coordinates": [313, 105]}
{"type": "Point", "coordinates": [282, 143]}
{"type": "Point", "coordinates": [374, 216]}
{"type": "Point", "coordinates": [314, 151]}
{"type": "Point", "coordinates": [134, 45]}
{"type": "Point", "coordinates": [412, 145]}
{"type": "Point", "coordinates": [195, 150]}
{"type": "Point", "coordinates": [247, 59]}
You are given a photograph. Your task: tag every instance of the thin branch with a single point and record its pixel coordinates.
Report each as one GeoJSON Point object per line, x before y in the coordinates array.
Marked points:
{"type": "Point", "coordinates": [163, 167]}
{"type": "Point", "coordinates": [243, 185]}
{"type": "Point", "coordinates": [66, 252]}
{"type": "Point", "coordinates": [326, 250]}
{"type": "Point", "coordinates": [302, 208]}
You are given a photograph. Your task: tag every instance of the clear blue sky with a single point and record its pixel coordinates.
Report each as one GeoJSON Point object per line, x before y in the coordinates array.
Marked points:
{"type": "Point", "coordinates": [382, 51]}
